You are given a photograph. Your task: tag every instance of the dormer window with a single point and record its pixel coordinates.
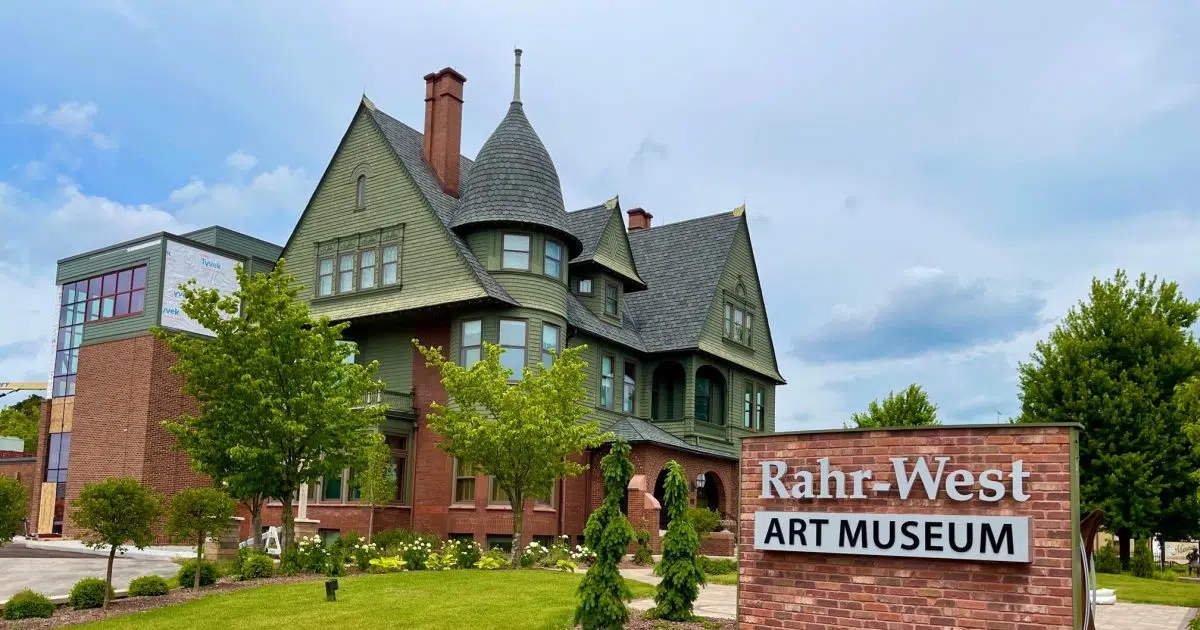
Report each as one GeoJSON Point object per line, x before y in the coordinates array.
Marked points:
{"type": "Point", "coordinates": [515, 254]}
{"type": "Point", "coordinates": [610, 298]}
{"type": "Point", "coordinates": [583, 286]}
{"type": "Point", "coordinates": [738, 324]}
{"type": "Point", "coordinates": [360, 194]}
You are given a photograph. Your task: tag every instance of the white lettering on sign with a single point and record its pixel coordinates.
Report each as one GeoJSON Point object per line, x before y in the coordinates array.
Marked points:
{"type": "Point", "coordinates": [950, 537]}
{"type": "Point", "coordinates": [830, 483]}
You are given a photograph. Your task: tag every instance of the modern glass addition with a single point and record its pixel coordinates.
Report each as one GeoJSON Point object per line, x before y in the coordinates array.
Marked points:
{"type": "Point", "coordinates": [553, 263]}
{"type": "Point", "coordinates": [606, 382]}
{"type": "Point", "coordinates": [610, 298]}
{"type": "Point", "coordinates": [550, 337]}
{"type": "Point", "coordinates": [472, 342]}
{"type": "Point", "coordinates": [512, 341]}
{"type": "Point", "coordinates": [630, 387]}
{"type": "Point", "coordinates": [515, 253]}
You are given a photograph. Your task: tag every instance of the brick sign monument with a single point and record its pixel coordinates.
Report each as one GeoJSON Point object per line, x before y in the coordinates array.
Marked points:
{"type": "Point", "coordinates": [916, 528]}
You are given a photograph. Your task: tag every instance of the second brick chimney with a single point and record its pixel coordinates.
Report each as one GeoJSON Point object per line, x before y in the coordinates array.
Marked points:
{"type": "Point", "coordinates": [443, 126]}
{"type": "Point", "coordinates": [639, 219]}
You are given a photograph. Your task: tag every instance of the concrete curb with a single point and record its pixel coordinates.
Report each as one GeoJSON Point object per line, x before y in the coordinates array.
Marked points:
{"type": "Point", "coordinates": [72, 546]}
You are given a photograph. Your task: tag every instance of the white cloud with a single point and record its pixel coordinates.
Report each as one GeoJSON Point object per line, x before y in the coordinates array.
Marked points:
{"type": "Point", "coordinates": [73, 119]}
{"type": "Point", "coordinates": [241, 160]}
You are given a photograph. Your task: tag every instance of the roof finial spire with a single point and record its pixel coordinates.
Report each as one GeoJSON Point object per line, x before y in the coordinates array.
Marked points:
{"type": "Point", "coordinates": [517, 78]}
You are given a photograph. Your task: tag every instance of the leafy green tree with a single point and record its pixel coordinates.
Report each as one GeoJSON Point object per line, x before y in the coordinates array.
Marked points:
{"type": "Point", "coordinates": [279, 404]}
{"type": "Point", "coordinates": [1114, 365]}
{"type": "Point", "coordinates": [13, 496]}
{"type": "Point", "coordinates": [116, 512]}
{"type": "Point", "coordinates": [377, 480]}
{"type": "Point", "coordinates": [20, 420]}
{"type": "Point", "coordinates": [681, 576]}
{"type": "Point", "coordinates": [522, 432]}
{"type": "Point", "coordinates": [909, 408]}
{"type": "Point", "coordinates": [603, 591]}
{"type": "Point", "coordinates": [196, 514]}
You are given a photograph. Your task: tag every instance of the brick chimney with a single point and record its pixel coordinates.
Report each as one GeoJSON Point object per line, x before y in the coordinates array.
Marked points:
{"type": "Point", "coordinates": [443, 126]}
{"type": "Point", "coordinates": [639, 219]}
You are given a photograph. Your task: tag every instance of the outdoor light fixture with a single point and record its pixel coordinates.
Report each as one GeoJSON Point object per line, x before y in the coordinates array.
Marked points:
{"type": "Point", "coordinates": [700, 481]}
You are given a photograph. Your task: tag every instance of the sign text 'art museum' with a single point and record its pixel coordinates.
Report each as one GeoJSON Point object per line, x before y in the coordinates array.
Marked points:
{"type": "Point", "coordinates": [945, 536]}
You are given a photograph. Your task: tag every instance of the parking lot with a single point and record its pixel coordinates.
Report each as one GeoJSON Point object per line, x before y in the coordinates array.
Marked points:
{"type": "Point", "coordinates": [54, 572]}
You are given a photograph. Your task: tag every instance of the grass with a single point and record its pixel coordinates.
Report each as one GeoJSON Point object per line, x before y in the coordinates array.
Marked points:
{"type": "Point", "coordinates": [1147, 591]}
{"type": "Point", "coordinates": [433, 600]}
{"type": "Point", "coordinates": [728, 579]}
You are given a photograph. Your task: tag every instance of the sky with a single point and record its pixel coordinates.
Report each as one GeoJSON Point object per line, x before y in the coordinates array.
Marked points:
{"type": "Point", "coordinates": [930, 186]}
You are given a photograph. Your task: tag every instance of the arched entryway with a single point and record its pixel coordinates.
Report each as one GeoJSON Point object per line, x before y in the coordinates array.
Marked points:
{"type": "Point", "coordinates": [712, 494]}
{"type": "Point", "coordinates": [666, 394]}
{"type": "Point", "coordinates": [660, 493]}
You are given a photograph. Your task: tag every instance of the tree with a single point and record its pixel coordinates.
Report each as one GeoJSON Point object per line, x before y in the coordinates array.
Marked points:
{"type": "Point", "coordinates": [21, 421]}
{"type": "Point", "coordinates": [13, 496]}
{"type": "Point", "coordinates": [377, 480]}
{"type": "Point", "coordinates": [195, 515]}
{"type": "Point", "coordinates": [279, 404]}
{"type": "Point", "coordinates": [1114, 365]}
{"type": "Point", "coordinates": [603, 591]}
{"type": "Point", "coordinates": [681, 577]}
{"type": "Point", "coordinates": [520, 433]}
{"type": "Point", "coordinates": [909, 408]}
{"type": "Point", "coordinates": [116, 512]}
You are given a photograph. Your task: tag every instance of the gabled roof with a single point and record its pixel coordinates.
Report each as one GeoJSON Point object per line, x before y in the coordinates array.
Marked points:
{"type": "Point", "coordinates": [682, 264]}
{"type": "Point", "coordinates": [406, 142]}
{"type": "Point", "coordinates": [635, 430]}
{"type": "Point", "coordinates": [580, 317]}
{"type": "Point", "coordinates": [588, 226]}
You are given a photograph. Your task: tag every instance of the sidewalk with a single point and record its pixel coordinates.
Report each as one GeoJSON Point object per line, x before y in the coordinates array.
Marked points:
{"type": "Point", "coordinates": [165, 552]}
{"type": "Point", "coordinates": [716, 600]}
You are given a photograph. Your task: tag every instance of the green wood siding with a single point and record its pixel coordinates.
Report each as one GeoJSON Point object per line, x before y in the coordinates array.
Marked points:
{"type": "Point", "coordinates": [246, 245]}
{"type": "Point", "coordinates": [595, 301]}
{"type": "Point", "coordinates": [431, 271]}
{"type": "Point", "coordinates": [613, 249]}
{"type": "Point", "coordinates": [80, 268]}
{"type": "Point", "coordinates": [208, 236]}
{"type": "Point", "coordinates": [394, 352]}
{"type": "Point", "coordinates": [760, 357]}
{"type": "Point", "coordinates": [596, 349]}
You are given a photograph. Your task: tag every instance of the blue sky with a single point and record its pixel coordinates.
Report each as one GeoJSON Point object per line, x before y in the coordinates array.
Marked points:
{"type": "Point", "coordinates": [930, 185]}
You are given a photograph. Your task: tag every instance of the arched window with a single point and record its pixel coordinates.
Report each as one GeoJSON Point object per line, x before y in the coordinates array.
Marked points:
{"type": "Point", "coordinates": [360, 195]}
{"type": "Point", "coordinates": [710, 395]}
{"type": "Point", "coordinates": [666, 392]}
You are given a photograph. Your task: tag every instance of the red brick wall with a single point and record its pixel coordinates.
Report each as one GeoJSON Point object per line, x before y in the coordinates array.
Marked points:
{"type": "Point", "coordinates": [807, 590]}
{"type": "Point", "coordinates": [23, 467]}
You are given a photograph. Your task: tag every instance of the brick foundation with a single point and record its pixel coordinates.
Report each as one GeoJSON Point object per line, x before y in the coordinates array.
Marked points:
{"type": "Point", "coordinates": [809, 590]}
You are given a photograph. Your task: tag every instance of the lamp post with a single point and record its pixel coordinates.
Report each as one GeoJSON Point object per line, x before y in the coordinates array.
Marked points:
{"type": "Point", "coordinates": [700, 481]}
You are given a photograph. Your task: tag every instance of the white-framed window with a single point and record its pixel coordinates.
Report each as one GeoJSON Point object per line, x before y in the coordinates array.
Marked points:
{"type": "Point", "coordinates": [346, 273]}
{"type": "Point", "coordinates": [584, 286]}
{"type": "Point", "coordinates": [391, 263]}
{"type": "Point", "coordinates": [464, 482]}
{"type": "Point", "coordinates": [515, 254]}
{"type": "Point", "coordinates": [366, 269]}
{"type": "Point", "coordinates": [325, 277]}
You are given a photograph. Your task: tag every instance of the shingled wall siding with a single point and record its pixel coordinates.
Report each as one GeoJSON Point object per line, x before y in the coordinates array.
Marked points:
{"type": "Point", "coordinates": [811, 591]}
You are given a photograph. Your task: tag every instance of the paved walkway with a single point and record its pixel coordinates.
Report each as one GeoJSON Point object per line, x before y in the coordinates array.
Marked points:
{"type": "Point", "coordinates": [1124, 616]}
{"type": "Point", "coordinates": [716, 600]}
{"type": "Point", "coordinates": [720, 601]}
{"type": "Point", "coordinates": [54, 572]}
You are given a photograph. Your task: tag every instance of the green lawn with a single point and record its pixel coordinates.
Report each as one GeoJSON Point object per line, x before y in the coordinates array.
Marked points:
{"type": "Point", "coordinates": [728, 579]}
{"type": "Point", "coordinates": [1146, 591]}
{"type": "Point", "coordinates": [451, 600]}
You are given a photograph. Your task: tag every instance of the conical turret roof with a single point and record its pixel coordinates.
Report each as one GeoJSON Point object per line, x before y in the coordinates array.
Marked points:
{"type": "Point", "coordinates": [513, 180]}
